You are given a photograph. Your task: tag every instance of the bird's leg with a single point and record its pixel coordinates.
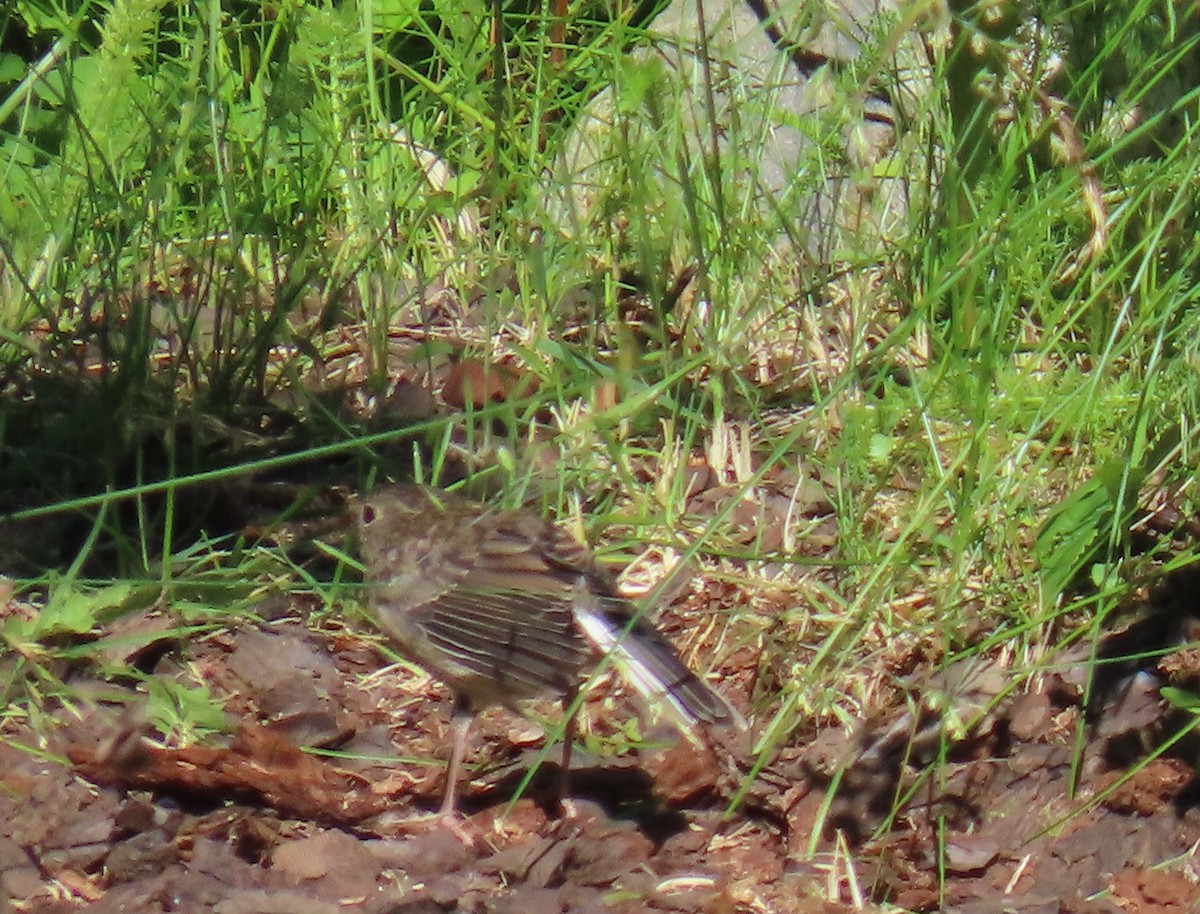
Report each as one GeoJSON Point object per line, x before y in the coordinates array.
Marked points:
{"type": "Point", "coordinates": [460, 723]}
{"type": "Point", "coordinates": [564, 771]}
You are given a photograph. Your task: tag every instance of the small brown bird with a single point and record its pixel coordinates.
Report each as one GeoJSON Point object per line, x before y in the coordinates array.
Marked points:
{"type": "Point", "coordinates": [503, 605]}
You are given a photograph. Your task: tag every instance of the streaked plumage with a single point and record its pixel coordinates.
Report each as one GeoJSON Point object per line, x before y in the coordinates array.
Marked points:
{"type": "Point", "coordinates": [503, 605]}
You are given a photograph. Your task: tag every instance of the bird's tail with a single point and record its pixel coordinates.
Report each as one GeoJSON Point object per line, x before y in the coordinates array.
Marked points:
{"type": "Point", "coordinates": [650, 664]}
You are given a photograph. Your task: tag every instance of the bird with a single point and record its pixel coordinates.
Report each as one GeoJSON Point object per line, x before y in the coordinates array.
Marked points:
{"type": "Point", "coordinates": [504, 605]}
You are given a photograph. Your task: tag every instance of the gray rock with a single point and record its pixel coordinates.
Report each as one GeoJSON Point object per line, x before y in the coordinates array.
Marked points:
{"type": "Point", "coordinates": [789, 113]}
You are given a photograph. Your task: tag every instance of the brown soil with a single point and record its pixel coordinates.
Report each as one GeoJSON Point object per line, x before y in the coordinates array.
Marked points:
{"type": "Point", "coordinates": [986, 818]}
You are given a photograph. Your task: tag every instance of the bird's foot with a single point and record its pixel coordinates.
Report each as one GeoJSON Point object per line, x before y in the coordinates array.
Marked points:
{"type": "Point", "coordinates": [455, 823]}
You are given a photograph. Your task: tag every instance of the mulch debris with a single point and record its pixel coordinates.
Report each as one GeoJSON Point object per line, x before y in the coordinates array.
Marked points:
{"type": "Point", "coordinates": [959, 801]}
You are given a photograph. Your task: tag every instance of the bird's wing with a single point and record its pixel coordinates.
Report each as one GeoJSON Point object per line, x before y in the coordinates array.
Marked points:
{"type": "Point", "coordinates": [507, 619]}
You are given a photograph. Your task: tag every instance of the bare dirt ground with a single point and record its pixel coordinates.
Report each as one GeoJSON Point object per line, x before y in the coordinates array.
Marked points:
{"type": "Point", "coordinates": [987, 820]}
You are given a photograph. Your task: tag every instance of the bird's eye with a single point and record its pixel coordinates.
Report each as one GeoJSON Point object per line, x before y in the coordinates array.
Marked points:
{"type": "Point", "coordinates": [367, 515]}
